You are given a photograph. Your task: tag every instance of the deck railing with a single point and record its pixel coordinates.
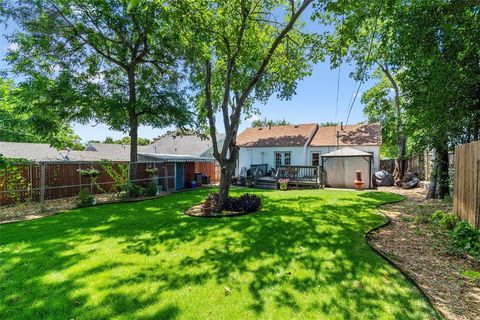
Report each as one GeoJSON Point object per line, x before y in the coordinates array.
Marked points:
{"type": "Point", "coordinates": [302, 175]}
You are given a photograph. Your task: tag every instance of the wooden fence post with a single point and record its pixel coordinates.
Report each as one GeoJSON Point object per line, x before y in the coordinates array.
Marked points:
{"type": "Point", "coordinates": [42, 186]}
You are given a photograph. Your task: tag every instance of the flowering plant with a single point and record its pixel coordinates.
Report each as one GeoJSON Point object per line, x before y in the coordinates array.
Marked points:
{"type": "Point", "coordinates": [283, 184]}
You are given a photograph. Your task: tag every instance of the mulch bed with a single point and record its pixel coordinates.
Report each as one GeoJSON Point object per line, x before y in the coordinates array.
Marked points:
{"type": "Point", "coordinates": [196, 211]}
{"type": "Point", "coordinates": [418, 251]}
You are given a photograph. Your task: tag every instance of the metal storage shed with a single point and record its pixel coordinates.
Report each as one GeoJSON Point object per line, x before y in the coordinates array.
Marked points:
{"type": "Point", "coordinates": [341, 165]}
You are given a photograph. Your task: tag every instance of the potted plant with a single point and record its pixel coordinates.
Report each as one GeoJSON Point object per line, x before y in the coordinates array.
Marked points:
{"type": "Point", "coordinates": [249, 182]}
{"type": "Point", "coordinates": [208, 205]}
{"type": "Point", "coordinates": [283, 183]}
{"type": "Point", "coordinates": [359, 183]}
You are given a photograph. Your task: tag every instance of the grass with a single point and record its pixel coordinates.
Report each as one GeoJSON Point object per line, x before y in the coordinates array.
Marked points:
{"type": "Point", "coordinates": [303, 256]}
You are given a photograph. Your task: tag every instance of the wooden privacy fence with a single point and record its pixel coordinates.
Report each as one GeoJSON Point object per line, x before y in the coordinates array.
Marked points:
{"type": "Point", "coordinates": [466, 200]}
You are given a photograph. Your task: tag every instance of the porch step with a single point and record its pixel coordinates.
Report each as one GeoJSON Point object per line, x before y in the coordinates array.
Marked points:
{"type": "Point", "coordinates": [266, 184]}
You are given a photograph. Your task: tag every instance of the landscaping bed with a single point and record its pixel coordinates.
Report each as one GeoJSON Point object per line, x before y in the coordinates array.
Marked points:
{"type": "Point", "coordinates": [234, 206]}
{"type": "Point", "coordinates": [450, 278]}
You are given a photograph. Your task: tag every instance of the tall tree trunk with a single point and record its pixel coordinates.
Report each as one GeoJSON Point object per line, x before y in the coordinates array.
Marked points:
{"type": "Point", "coordinates": [401, 162]}
{"type": "Point", "coordinates": [133, 118]}
{"type": "Point", "coordinates": [442, 173]}
{"type": "Point", "coordinates": [439, 176]}
{"type": "Point", "coordinates": [432, 188]}
{"type": "Point", "coordinates": [227, 170]}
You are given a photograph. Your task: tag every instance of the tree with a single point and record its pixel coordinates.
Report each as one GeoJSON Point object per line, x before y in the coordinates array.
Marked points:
{"type": "Point", "coordinates": [240, 53]}
{"type": "Point", "coordinates": [362, 34]}
{"type": "Point", "coordinates": [427, 53]}
{"type": "Point", "coordinates": [269, 123]}
{"type": "Point", "coordinates": [19, 122]}
{"type": "Point", "coordinates": [126, 140]}
{"type": "Point", "coordinates": [108, 63]}
{"type": "Point", "coordinates": [438, 43]}
{"type": "Point", "coordinates": [328, 124]}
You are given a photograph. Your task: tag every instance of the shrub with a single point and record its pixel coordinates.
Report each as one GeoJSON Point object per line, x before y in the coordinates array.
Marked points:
{"type": "Point", "coordinates": [245, 203]}
{"type": "Point", "coordinates": [133, 190]}
{"type": "Point", "coordinates": [422, 217]}
{"type": "Point", "coordinates": [85, 199]}
{"type": "Point", "coordinates": [444, 220]}
{"type": "Point", "coordinates": [151, 189]}
{"type": "Point", "coordinates": [466, 238]}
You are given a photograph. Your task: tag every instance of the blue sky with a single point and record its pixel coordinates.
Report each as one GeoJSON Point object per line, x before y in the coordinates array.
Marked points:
{"type": "Point", "coordinates": [314, 102]}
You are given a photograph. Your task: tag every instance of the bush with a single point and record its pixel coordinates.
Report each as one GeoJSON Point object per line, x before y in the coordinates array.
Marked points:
{"type": "Point", "coordinates": [151, 189]}
{"type": "Point", "coordinates": [466, 238]}
{"type": "Point", "coordinates": [85, 199]}
{"type": "Point", "coordinates": [133, 190]}
{"type": "Point", "coordinates": [245, 203]}
{"type": "Point", "coordinates": [444, 220]}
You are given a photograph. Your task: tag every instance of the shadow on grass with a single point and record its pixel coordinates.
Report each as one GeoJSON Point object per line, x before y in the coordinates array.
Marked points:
{"type": "Point", "coordinates": [303, 255]}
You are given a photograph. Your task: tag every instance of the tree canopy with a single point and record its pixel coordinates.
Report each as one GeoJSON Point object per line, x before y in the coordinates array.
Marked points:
{"type": "Point", "coordinates": [19, 122]}
{"type": "Point", "coordinates": [240, 52]}
{"type": "Point", "coordinates": [106, 62]}
{"type": "Point", "coordinates": [269, 123]}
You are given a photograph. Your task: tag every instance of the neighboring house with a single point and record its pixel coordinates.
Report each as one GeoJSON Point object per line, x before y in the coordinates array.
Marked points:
{"type": "Point", "coordinates": [304, 144]}
{"type": "Point", "coordinates": [187, 144]}
{"type": "Point", "coordinates": [168, 147]}
{"type": "Point", "coordinates": [30, 151]}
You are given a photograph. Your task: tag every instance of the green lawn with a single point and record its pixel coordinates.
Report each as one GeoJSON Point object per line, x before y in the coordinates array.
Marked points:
{"type": "Point", "coordinates": [303, 256]}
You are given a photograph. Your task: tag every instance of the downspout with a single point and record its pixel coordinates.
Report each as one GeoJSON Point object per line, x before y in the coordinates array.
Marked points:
{"type": "Point", "coordinates": [305, 147]}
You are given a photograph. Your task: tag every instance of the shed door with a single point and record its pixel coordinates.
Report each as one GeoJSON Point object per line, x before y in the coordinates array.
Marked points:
{"type": "Point", "coordinates": [179, 180]}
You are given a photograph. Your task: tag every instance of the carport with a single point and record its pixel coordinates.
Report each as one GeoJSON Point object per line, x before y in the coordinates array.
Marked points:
{"type": "Point", "coordinates": [342, 164]}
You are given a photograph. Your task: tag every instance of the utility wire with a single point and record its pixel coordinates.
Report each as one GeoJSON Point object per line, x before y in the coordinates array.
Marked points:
{"type": "Point", "coordinates": [339, 73]}
{"type": "Point", "coordinates": [368, 58]}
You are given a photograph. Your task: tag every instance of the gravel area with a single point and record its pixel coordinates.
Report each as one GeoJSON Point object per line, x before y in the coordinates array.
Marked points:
{"type": "Point", "coordinates": [418, 250]}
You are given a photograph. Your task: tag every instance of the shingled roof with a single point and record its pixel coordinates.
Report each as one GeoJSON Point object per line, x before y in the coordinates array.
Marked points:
{"type": "Point", "coordinates": [187, 144]}
{"type": "Point", "coordinates": [356, 134]}
{"type": "Point", "coordinates": [277, 136]}
{"type": "Point", "coordinates": [298, 136]}
{"type": "Point", "coordinates": [29, 151]}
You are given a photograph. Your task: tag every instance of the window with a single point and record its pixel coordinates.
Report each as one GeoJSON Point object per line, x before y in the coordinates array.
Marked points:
{"type": "Point", "coordinates": [315, 159]}
{"type": "Point", "coordinates": [283, 159]}
{"type": "Point", "coordinates": [278, 159]}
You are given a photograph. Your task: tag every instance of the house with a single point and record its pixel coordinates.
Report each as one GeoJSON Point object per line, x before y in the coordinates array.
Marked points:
{"type": "Point", "coordinates": [304, 144]}
{"type": "Point", "coordinates": [30, 151]}
{"type": "Point", "coordinates": [179, 159]}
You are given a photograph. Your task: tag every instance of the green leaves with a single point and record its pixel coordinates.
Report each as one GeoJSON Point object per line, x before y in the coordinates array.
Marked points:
{"type": "Point", "coordinates": [133, 4]}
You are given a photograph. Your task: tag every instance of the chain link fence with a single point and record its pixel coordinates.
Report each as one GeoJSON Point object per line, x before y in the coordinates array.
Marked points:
{"type": "Point", "coordinates": [46, 184]}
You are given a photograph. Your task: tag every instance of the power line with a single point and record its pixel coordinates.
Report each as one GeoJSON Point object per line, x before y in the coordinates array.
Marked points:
{"type": "Point", "coordinates": [339, 72]}
{"type": "Point", "coordinates": [368, 58]}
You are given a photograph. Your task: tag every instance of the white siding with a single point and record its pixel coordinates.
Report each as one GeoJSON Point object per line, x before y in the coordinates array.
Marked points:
{"type": "Point", "coordinates": [262, 155]}
{"type": "Point", "coordinates": [300, 155]}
